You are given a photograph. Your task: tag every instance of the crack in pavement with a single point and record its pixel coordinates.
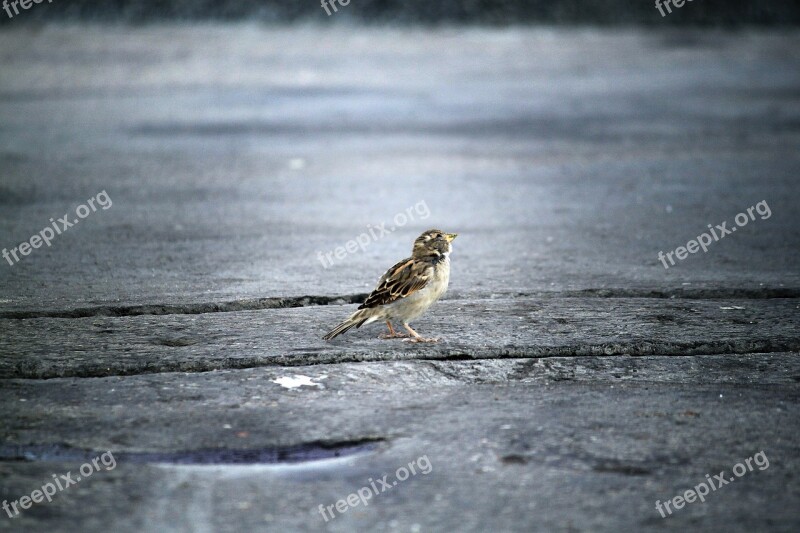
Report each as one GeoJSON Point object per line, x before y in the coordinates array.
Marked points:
{"type": "Point", "coordinates": [31, 370]}
{"type": "Point", "coordinates": [298, 453]}
{"type": "Point", "coordinates": [256, 304]}
{"type": "Point", "coordinates": [252, 304]}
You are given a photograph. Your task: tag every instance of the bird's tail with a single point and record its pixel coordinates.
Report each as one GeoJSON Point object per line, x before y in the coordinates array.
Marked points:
{"type": "Point", "coordinates": [357, 319]}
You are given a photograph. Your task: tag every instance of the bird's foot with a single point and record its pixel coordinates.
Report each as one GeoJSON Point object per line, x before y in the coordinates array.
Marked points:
{"type": "Point", "coordinates": [394, 335]}
{"type": "Point", "coordinates": [421, 339]}
{"type": "Point", "coordinates": [416, 337]}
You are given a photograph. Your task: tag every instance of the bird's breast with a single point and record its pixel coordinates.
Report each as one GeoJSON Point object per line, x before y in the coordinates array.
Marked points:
{"type": "Point", "coordinates": [441, 277]}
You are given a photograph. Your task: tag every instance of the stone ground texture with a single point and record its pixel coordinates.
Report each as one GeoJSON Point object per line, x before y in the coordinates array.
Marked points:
{"type": "Point", "coordinates": [576, 381]}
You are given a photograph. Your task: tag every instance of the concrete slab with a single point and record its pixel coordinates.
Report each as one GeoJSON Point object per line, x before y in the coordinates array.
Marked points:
{"type": "Point", "coordinates": [44, 348]}
{"type": "Point", "coordinates": [585, 443]}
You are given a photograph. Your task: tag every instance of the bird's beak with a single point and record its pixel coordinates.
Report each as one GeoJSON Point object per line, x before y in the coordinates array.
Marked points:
{"type": "Point", "coordinates": [451, 236]}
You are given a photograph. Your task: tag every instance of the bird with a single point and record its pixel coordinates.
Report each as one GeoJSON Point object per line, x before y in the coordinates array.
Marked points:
{"type": "Point", "coordinates": [407, 289]}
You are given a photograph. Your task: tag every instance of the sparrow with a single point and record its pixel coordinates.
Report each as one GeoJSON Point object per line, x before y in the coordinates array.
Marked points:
{"type": "Point", "coordinates": [407, 289]}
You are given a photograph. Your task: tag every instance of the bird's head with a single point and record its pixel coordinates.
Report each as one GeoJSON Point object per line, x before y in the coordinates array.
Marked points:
{"type": "Point", "coordinates": [433, 244]}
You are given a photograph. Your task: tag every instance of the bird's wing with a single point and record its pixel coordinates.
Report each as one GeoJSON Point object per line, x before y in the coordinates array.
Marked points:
{"type": "Point", "coordinates": [404, 278]}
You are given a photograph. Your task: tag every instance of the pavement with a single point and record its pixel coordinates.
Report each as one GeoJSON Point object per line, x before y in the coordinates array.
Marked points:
{"type": "Point", "coordinates": [174, 322]}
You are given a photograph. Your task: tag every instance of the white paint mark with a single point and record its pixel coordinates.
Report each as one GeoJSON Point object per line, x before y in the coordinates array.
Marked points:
{"type": "Point", "coordinates": [292, 382]}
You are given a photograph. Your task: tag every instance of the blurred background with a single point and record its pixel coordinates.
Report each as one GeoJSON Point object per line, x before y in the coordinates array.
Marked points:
{"type": "Point", "coordinates": [489, 12]}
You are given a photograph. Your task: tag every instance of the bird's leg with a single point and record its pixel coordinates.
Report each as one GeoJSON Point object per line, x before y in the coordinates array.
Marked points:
{"type": "Point", "coordinates": [392, 333]}
{"type": "Point", "coordinates": [415, 337]}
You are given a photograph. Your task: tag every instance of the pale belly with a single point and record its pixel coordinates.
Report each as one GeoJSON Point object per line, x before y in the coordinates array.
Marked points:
{"type": "Point", "coordinates": [414, 305]}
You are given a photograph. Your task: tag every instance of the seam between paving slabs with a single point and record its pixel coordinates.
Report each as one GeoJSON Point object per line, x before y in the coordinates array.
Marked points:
{"type": "Point", "coordinates": [256, 304]}
{"type": "Point", "coordinates": [27, 370]}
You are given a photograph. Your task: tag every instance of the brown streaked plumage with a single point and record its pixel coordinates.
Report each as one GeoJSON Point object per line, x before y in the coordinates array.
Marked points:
{"type": "Point", "coordinates": [407, 289]}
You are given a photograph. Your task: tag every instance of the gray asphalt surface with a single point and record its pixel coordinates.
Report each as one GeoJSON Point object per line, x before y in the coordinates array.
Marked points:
{"type": "Point", "coordinates": [577, 380]}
